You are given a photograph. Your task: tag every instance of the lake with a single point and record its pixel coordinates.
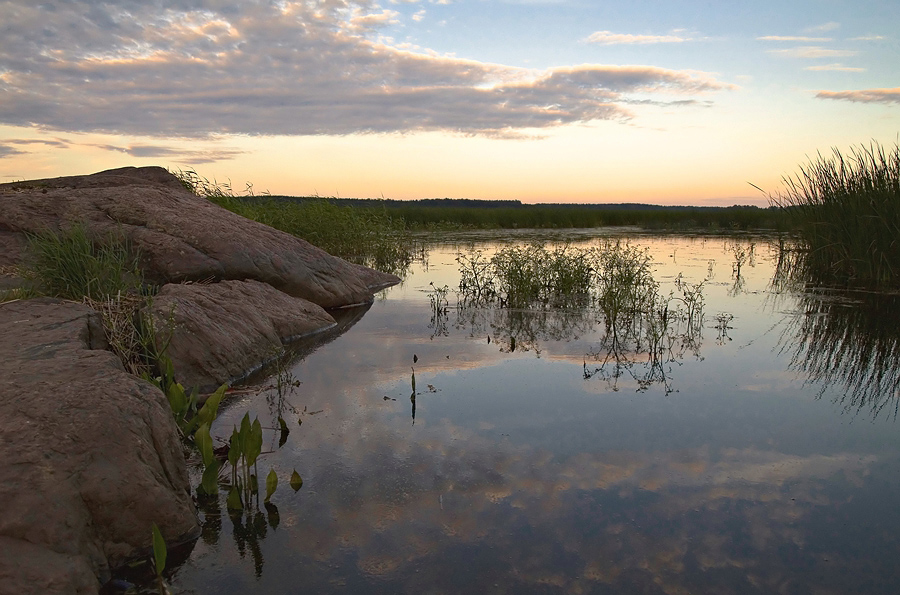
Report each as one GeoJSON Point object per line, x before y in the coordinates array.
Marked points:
{"type": "Point", "coordinates": [489, 450]}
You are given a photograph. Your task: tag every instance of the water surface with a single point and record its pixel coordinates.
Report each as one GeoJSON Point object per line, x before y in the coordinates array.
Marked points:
{"type": "Point", "coordinates": [759, 456]}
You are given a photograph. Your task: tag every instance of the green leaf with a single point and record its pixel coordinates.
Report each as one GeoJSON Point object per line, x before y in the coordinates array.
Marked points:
{"type": "Point", "coordinates": [254, 442]}
{"type": "Point", "coordinates": [296, 480]}
{"type": "Point", "coordinates": [234, 499]}
{"type": "Point", "coordinates": [209, 484]}
{"type": "Point", "coordinates": [271, 484]}
{"type": "Point", "coordinates": [177, 400]}
{"type": "Point", "coordinates": [204, 444]}
{"type": "Point", "coordinates": [234, 448]}
{"type": "Point", "coordinates": [210, 409]}
{"type": "Point", "coordinates": [159, 550]}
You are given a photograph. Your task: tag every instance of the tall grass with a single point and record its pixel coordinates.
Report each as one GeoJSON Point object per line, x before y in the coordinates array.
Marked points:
{"type": "Point", "coordinates": [847, 211]}
{"type": "Point", "coordinates": [102, 273]}
{"type": "Point", "coordinates": [369, 236]}
{"type": "Point", "coordinates": [72, 265]}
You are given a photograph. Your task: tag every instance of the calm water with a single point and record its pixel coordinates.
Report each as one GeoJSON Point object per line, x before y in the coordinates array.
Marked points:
{"type": "Point", "coordinates": [760, 455]}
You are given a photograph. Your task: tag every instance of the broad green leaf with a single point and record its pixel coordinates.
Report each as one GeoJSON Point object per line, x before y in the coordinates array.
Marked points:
{"type": "Point", "coordinates": [204, 444]}
{"type": "Point", "coordinates": [159, 550]}
{"type": "Point", "coordinates": [271, 484]}
{"type": "Point", "coordinates": [234, 448]}
{"type": "Point", "coordinates": [210, 409]}
{"type": "Point", "coordinates": [296, 480]}
{"type": "Point", "coordinates": [244, 433]}
{"type": "Point", "coordinates": [254, 442]}
{"type": "Point", "coordinates": [234, 499]}
{"type": "Point", "coordinates": [177, 399]}
{"type": "Point", "coordinates": [210, 482]}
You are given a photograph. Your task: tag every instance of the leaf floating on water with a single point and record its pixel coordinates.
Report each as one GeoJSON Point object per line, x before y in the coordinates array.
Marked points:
{"type": "Point", "coordinates": [271, 484]}
{"type": "Point", "coordinates": [296, 480]}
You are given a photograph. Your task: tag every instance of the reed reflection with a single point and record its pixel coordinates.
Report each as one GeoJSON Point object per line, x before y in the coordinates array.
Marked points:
{"type": "Point", "coordinates": [849, 345]}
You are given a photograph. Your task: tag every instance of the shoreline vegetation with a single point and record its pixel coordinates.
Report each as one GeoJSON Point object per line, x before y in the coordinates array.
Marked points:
{"type": "Point", "coordinates": [845, 210]}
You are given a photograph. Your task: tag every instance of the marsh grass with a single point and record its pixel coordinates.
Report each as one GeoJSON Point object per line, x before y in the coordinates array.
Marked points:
{"type": "Point", "coordinates": [533, 293]}
{"type": "Point", "coordinates": [847, 211]}
{"type": "Point", "coordinates": [367, 236]}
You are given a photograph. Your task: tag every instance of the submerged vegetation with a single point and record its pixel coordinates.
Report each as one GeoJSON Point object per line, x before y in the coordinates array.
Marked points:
{"type": "Point", "coordinates": [846, 209]}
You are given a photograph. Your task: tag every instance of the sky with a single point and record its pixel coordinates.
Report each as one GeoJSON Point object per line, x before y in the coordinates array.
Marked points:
{"type": "Point", "coordinates": [666, 102]}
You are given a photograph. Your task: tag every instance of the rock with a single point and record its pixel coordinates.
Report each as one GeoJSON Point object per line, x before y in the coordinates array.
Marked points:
{"type": "Point", "coordinates": [220, 332]}
{"type": "Point", "coordinates": [89, 455]}
{"type": "Point", "coordinates": [183, 237]}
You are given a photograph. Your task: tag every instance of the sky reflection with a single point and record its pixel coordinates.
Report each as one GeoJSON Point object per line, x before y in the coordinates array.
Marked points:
{"type": "Point", "coordinates": [521, 475]}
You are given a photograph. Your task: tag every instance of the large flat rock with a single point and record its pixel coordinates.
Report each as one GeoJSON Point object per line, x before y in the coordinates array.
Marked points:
{"type": "Point", "coordinates": [220, 332]}
{"type": "Point", "coordinates": [183, 237]}
{"type": "Point", "coordinates": [89, 455]}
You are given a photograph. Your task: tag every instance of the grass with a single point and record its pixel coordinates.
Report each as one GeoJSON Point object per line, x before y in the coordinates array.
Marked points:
{"type": "Point", "coordinates": [72, 265]}
{"type": "Point", "coordinates": [846, 209]}
{"type": "Point", "coordinates": [102, 273]}
{"type": "Point", "coordinates": [369, 236]}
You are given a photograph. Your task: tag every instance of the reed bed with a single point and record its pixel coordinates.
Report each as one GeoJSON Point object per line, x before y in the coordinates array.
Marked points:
{"type": "Point", "coordinates": [846, 209]}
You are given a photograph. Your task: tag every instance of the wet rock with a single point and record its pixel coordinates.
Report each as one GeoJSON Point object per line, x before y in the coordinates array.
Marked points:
{"type": "Point", "coordinates": [89, 455]}
{"type": "Point", "coordinates": [183, 237]}
{"type": "Point", "coordinates": [220, 332]}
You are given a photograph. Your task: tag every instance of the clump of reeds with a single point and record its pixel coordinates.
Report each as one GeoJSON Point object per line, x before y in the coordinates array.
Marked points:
{"type": "Point", "coordinates": [528, 276]}
{"type": "Point", "coordinates": [847, 211]}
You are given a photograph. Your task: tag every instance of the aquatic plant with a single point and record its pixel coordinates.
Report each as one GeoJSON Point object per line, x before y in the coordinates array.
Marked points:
{"type": "Point", "coordinates": [847, 211]}
{"type": "Point", "coordinates": [159, 557]}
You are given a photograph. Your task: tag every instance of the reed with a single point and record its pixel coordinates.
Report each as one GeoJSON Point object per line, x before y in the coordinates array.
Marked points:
{"type": "Point", "coordinates": [846, 209]}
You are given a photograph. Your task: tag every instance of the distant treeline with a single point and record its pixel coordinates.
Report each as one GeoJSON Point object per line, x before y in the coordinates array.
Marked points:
{"type": "Point", "coordinates": [446, 213]}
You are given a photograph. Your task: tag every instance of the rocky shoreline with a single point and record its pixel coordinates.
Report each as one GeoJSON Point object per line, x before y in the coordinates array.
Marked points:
{"type": "Point", "coordinates": [90, 455]}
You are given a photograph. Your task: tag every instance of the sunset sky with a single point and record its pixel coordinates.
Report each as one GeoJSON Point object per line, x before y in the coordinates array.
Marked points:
{"type": "Point", "coordinates": [683, 102]}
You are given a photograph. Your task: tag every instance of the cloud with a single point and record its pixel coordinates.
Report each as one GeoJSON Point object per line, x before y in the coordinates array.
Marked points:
{"type": "Point", "coordinates": [610, 38]}
{"type": "Point", "coordinates": [864, 95]}
{"type": "Point", "coordinates": [6, 151]}
{"type": "Point", "coordinates": [197, 68]}
{"type": "Point", "coordinates": [794, 38]}
{"type": "Point", "coordinates": [823, 28]}
{"type": "Point", "coordinates": [869, 38]}
{"type": "Point", "coordinates": [837, 67]}
{"type": "Point", "coordinates": [814, 52]}
{"type": "Point", "coordinates": [175, 154]}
